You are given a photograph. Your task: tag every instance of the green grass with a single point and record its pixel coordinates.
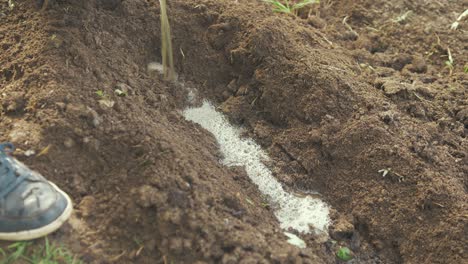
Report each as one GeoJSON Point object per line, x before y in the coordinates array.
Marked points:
{"type": "Point", "coordinates": [100, 93]}
{"type": "Point", "coordinates": [290, 7]}
{"type": "Point", "coordinates": [403, 17]}
{"type": "Point", "coordinates": [344, 254]}
{"type": "Point", "coordinates": [34, 253]}
{"type": "Point", "coordinates": [449, 63]}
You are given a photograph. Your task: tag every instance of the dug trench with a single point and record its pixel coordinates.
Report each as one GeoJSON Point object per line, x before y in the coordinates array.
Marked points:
{"type": "Point", "coordinates": [148, 184]}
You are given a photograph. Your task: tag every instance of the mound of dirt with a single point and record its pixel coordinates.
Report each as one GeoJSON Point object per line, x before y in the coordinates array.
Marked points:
{"type": "Point", "coordinates": [333, 103]}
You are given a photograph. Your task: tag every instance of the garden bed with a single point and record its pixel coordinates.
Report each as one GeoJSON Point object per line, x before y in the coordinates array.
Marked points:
{"type": "Point", "coordinates": [336, 103]}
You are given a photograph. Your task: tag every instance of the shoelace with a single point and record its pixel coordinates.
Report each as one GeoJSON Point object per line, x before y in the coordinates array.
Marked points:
{"type": "Point", "coordinates": [10, 180]}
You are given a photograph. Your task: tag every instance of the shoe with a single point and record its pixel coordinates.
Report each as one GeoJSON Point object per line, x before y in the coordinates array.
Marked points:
{"type": "Point", "coordinates": [30, 206]}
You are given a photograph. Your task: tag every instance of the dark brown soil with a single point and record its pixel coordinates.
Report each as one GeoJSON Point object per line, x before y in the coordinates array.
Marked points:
{"type": "Point", "coordinates": [333, 104]}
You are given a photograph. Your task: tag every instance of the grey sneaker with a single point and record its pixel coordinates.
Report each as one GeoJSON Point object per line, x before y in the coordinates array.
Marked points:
{"type": "Point", "coordinates": [30, 206]}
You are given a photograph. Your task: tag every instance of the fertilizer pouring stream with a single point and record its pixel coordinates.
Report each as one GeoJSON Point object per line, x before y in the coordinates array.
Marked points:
{"type": "Point", "coordinates": [298, 213]}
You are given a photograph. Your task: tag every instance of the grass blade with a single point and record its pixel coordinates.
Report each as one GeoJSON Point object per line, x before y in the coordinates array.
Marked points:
{"type": "Point", "coordinates": [304, 3]}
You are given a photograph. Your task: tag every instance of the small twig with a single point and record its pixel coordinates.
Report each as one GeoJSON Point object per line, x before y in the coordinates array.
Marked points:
{"type": "Point", "coordinates": [139, 251]}
{"type": "Point", "coordinates": [44, 5]}
{"type": "Point", "coordinates": [455, 24]}
{"type": "Point", "coordinates": [182, 53]}
{"type": "Point", "coordinates": [348, 26]}
{"type": "Point", "coordinates": [116, 258]}
{"type": "Point", "coordinates": [44, 151]}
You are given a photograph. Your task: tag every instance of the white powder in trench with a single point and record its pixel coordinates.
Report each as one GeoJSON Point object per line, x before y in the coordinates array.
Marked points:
{"type": "Point", "coordinates": [299, 213]}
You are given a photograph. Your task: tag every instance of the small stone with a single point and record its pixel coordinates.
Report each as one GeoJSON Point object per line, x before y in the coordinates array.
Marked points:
{"type": "Point", "coordinates": [295, 240]}
{"type": "Point", "coordinates": [229, 259]}
{"type": "Point", "coordinates": [417, 110]}
{"type": "Point", "coordinates": [342, 230]}
{"type": "Point", "coordinates": [61, 105]}
{"type": "Point", "coordinates": [109, 4]}
{"type": "Point", "coordinates": [29, 153]}
{"type": "Point", "coordinates": [178, 198]}
{"type": "Point", "coordinates": [384, 71]}
{"type": "Point", "coordinates": [55, 41]}
{"type": "Point", "coordinates": [378, 244]}
{"type": "Point", "coordinates": [462, 116]}
{"type": "Point", "coordinates": [176, 245]}
{"type": "Point", "coordinates": [388, 116]}
{"type": "Point", "coordinates": [87, 206]}
{"type": "Point", "coordinates": [400, 61]}
{"type": "Point", "coordinates": [69, 143]}
{"type": "Point", "coordinates": [418, 66]}
{"type": "Point", "coordinates": [96, 119]}
{"type": "Point", "coordinates": [106, 103]}
{"type": "Point", "coordinates": [232, 86]}
{"type": "Point", "coordinates": [226, 95]}
{"type": "Point", "coordinates": [391, 87]}
{"type": "Point", "coordinates": [316, 22]}
{"type": "Point", "coordinates": [148, 196]}
{"type": "Point", "coordinates": [14, 102]}
{"type": "Point", "coordinates": [426, 91]}
{"type": "Point", "coordinates": [82, 111]}
{"type": "Point", "coordinates": [78, 131]}
{"type": "Point", "coordinates": [99, 76]}
{"type": "Point", "coordinates": [126, 89]}
{"type": "Point", "coordinates": [349, 35]}
{"type": "Point", "coordinates": [78, 184]}
{"type": "Point", "coordinates": [154, 66]}
{"type": "Point", "coordinates": [233, 203]}
{"type": "Point", "coordinates": [92, 143]}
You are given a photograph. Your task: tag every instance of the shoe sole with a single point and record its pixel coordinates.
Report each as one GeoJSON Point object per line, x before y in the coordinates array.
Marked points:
{"type": "Point", "coordinates": [45, 230]}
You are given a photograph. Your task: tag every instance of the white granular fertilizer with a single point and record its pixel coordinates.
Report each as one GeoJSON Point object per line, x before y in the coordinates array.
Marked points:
{"type": "Point", "coordinates": [299, 213]}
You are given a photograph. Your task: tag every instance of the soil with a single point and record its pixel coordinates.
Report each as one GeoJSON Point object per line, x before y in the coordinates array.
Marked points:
{"type": "Point", "coordinates": [333, 102]}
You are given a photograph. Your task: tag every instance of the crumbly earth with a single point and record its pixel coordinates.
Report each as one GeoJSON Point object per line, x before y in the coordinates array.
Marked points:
{"type": "Point", "coordinates": [333, 100]}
